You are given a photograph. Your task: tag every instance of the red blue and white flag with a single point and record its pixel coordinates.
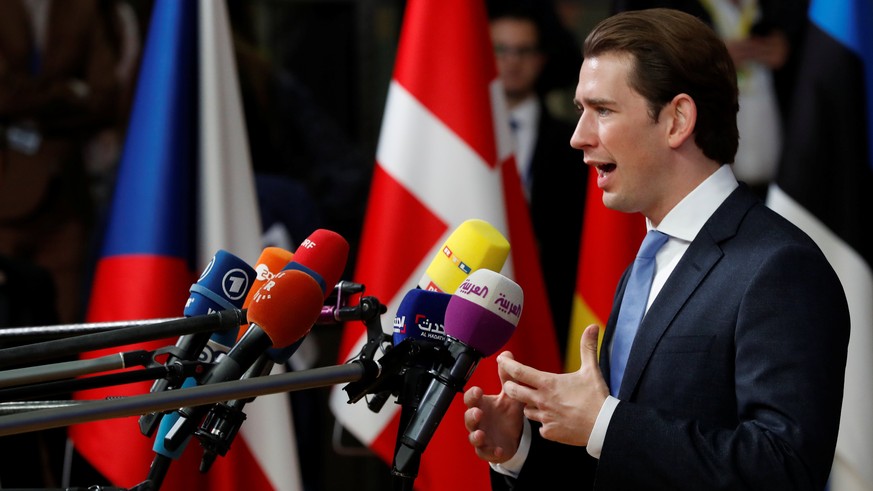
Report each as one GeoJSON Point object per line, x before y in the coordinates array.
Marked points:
{"type": "Point", "coordinates": [184, 190]}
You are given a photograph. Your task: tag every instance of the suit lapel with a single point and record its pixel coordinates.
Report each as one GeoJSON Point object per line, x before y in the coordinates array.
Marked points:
{"type": "Point", "coordinates": [702, 255]}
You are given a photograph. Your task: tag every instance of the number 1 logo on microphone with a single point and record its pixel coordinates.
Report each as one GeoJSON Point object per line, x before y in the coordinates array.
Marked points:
{"type": "Point", "coordinates": [235, 284]}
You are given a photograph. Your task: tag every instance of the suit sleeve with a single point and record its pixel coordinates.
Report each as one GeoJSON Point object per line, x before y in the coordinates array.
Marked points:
{"type": "Point", "coordinates": [549, 462]}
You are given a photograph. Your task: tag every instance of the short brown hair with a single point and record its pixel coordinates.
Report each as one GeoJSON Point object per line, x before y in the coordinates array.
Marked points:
{"type": "Point", "coordinates": [674, 52]}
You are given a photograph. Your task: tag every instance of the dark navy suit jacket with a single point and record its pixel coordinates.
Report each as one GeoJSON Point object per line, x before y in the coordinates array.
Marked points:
{"type": "Point", "coordinates": [735, 379]}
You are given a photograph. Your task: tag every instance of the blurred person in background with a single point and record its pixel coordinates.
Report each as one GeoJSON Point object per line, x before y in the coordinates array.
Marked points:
{"type": "Point", "coordinates": [57, 88]}
{"type": "Point", "coordinates": [552, 174]}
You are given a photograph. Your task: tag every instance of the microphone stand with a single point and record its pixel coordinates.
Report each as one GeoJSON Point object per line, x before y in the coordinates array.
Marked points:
{"type": "Point", "coordinates": [422, 358]}
{"type": "Point", "coordinates": [221, 425]}
{"type": "Point", "coordinates": [24, 335]}
{"type": "Point", "coordinates": [222, 320]}
{"type": "Point", "coordinates": [151, 371]}
{"type": "Point", "coordinates": [69, 369]}
{"type": "Point", "coordinates": [409, 399]}
{"type": "Point", "coordinates": [42, 419]}
{"type": "Point", "coordinates": [407, 369]}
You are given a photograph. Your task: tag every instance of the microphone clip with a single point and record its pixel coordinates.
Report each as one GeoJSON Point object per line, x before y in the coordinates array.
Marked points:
{"type": "Point", "coordinates": [217, 431]}
{"type": "Point", "coordinates": [412, 355]}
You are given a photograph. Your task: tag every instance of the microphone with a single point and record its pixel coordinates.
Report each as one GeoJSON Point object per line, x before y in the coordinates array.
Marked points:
{"type": "Point", "coordinates": [419, 334]}
{"type": "Point", "coordinates": [271, 261]}
{"type": "Point", "coordinates": [323, 256]}
{"type": "Point", "coordinates": [474, 245]}
{"type": "Point", "coordinates": [421, 317]}
{"type": "Point", "coordinates": [223, 285]}
{"type": "Point", "coordinates": [480, 318]}
{"type": "Point", "coordinates": [282, 311]}
{"type": "Point", "coordinates": [276, 326]}
{"type": "Point", "coordinates": [217, 346]}
{"type": "Point", "coordinates": [320, 258]}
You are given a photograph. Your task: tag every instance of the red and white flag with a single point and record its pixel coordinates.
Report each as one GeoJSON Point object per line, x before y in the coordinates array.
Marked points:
{"type": "Point", "coordinates": [444, 156]}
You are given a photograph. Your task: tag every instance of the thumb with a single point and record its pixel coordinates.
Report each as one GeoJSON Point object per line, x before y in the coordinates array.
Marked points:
{"type": "Point", "coordinates": [588, 346]}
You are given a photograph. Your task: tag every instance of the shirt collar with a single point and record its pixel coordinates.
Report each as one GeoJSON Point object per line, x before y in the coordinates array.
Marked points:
{"type": "Point", "coordinates": [686, 219]}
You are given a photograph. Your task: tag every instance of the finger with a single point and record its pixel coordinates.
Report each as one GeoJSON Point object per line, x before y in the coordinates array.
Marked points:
{"type": "Point", "coordinates": [518, 392]}
{"type": "Point", "coordinates": [472, 396]}
{"type": "Point", "coordinates": [472, 418]}
{"type": "Point", "coordinates": [532, 413]}
{"type": "Point", "coordinates": [515, 371]}
{"type": "Point", "coordinates": [477, 438]}
{"type": "Point", "coordinates": [502, 360]}
{"type": "Point", "coordinates": [487, 452]}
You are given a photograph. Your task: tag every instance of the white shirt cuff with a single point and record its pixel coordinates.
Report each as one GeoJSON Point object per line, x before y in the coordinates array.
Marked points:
{"type": "Point", "coordinates": [598, 433]}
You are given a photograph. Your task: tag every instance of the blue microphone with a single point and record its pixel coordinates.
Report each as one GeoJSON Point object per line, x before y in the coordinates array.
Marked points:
{"type": "Point", "coordinates": [421, 316]}
{"type": "Point", "coordinates": [223, 285]}
{"type": "Point", "coordinates": [419, 335]}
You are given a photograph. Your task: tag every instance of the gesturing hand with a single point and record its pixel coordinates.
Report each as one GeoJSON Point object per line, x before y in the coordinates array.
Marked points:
{"type": "Point", "coordinates": [494, 421]}
{"type": "Point", "coordinates": [566, 404]}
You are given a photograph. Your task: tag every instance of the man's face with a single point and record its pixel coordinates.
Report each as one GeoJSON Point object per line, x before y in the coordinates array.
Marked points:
{"type": "Point", "coordinates": [519, 59]}
{"type": "Point", "coordinates": [619, 137]}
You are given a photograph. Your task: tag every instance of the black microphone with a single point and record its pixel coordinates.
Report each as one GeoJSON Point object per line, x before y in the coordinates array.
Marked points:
{"type": "Point", "coordinates": [419, 335]}
{"type": "Point", "coordinates": [480, 318]}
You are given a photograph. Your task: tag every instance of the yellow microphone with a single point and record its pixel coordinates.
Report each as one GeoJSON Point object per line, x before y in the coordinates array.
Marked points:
{"type": "Point", "coordinates": [474, 245]}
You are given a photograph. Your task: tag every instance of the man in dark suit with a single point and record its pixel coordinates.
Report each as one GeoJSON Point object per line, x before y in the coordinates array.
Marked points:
{"type": "Point", "coordinates": [734, 379]}
{"type": "Point", "coordinates": [554, 181]}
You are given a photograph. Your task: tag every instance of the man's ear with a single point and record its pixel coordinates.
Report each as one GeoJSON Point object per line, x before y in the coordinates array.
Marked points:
{"type": "Point", "coordinates": [682, 112]}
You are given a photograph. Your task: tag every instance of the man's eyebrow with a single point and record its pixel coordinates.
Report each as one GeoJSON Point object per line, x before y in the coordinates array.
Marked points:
{"type": "Point", "coordinates": [599, 101]}
{"type": "Point", "coordinates": [593, 101]}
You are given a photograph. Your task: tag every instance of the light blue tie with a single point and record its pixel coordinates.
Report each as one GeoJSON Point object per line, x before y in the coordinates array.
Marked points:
{"type": "Point", "coordinates": [633, 306]}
